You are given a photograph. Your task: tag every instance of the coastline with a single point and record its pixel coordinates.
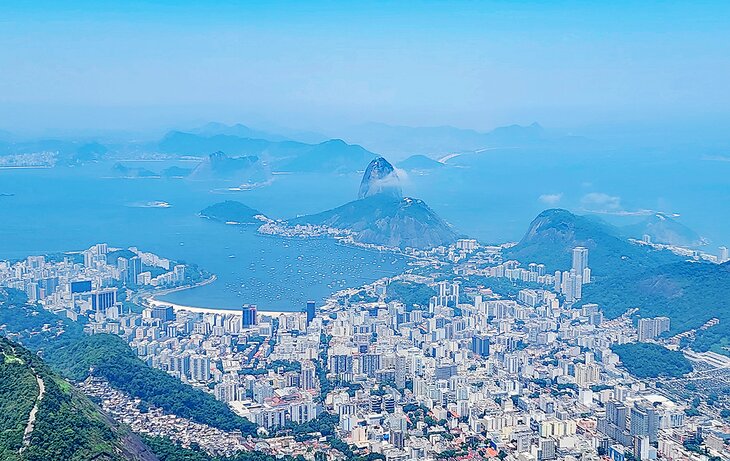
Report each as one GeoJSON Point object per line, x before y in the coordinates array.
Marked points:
{"type": "Point", "coordinates": [150, 300]}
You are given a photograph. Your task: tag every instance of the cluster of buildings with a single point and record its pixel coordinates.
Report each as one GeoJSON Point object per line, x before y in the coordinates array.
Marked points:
{"type": "Point", "coordinates": [692, 254]}
{"type": "Point", "coordinates": [472, 373]}
{"type": "Point", "coordinates": [568, 283]}
{"type": "Point", "coordinates": [651, 328]}
{"type": "Point", "coordinates": [91, 283]}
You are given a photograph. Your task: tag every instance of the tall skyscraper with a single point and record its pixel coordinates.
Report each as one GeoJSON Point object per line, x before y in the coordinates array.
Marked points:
{"type": "Point", "coordinates": [134, 268]}
{"type": "Point", "coordinates": [480, 344]}
{"type": "Point", "coordinates": [310, 311]}
{"type": "Point", "coordinates": [200, 368]}
{"type": "Point", "coordinates": [248, 315]}
{"type": "Point", "coordinates": [307, 376]}
{"type": "Point", "coordinates": [724, 254]}
{"type": "Point", "coordinates": [580, 259]}
{"type": "Point", "coordinates": [644, 421]}
{"type": "Point", "coordinates": [103, 299]}
{"type": "Point", "coordinates": [652, 327]}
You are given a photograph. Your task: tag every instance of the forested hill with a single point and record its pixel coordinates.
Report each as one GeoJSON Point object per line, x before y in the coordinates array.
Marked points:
{"type": "Point", "coordinates": [554, 233]}
{"type": "Point", "coordinates": [111, 358]}
{"type": "Point", "coordinates": [71, 353]}
{"type": "Point", "coordinates": [65, 426]}
{"type": "Point", "coordinates": [628, 275]}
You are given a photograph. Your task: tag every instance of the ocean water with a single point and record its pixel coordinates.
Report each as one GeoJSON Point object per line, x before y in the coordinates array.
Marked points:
{"type": "Point", "coordinates": [61, 209]}
{"type": "Point", "coordinates": [491, 196]}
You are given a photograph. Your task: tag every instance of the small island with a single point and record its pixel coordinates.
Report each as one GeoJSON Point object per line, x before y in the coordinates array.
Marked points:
{"type": "Point", "coordinates": [232, 212]}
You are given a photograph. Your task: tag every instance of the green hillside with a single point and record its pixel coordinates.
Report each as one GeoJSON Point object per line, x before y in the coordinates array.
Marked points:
{"type": "Point", "coordinates": [67, 426]}
{"type": "Point", "coordinates": [555, 232]}
{"type": "Point", "coordinates": [71, 353]}
{"type": "Point", "coordinates": [231, 211]}
{"type": "Point", "coordinates": [112, 359]}
{"type": "Point", "coordinates": [628, 275]}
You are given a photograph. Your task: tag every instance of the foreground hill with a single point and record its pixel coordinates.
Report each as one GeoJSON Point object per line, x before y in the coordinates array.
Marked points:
{"type": "Point", "coordinates": [109, 357]}
{"type": "Point", "coordinates": [72, 354]}
{"type": "Point", "coordinates": [63, 424]}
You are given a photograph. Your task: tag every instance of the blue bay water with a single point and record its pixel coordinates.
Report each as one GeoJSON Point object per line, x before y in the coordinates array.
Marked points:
{"type": "Point", "coordinates": [491, 196]}
{"type": "Point", "coordinates": [72, 208]}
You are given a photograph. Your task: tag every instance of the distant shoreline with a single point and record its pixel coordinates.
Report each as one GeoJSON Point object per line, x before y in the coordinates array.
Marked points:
{"type": "Point", "coordinates": [151, 300]}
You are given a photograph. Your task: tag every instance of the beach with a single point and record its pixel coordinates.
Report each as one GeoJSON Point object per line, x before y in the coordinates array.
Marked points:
{"type": "Point", "coordinates": [152, 302]}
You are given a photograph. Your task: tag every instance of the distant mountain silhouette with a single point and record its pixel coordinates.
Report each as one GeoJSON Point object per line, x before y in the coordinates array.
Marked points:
{"type": "Point", "coordinates": [334, 155]}
{"type": "Point", "coordinates": [404, 140]}
{"type": "Point", "coordinates": [420, 163]}
{"type": "Point", "coordinates": [665, 229]}
{"type": "Point", "coordinates": [220, 165]}
{"type": "Point", "coordinates": [238, 130]}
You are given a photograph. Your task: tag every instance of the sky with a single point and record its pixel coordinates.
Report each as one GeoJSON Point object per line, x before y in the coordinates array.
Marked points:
{"type": "Point", "coordinates": [141, 66]}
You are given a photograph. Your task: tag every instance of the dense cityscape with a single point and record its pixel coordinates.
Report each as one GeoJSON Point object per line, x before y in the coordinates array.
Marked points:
{"type": "Point", "coordinates": [314, 230]}
{"type": "Point", "coordinates": [417, 366]}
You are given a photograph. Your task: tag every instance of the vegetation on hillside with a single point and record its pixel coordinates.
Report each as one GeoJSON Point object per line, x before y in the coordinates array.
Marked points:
{"type": "Point", "coordinates": [68, 426]}
{"type": "Point", "coordinates": [649, 360]}
{"type": "Point", "coordinates": [111, 358]}
{"type": "Point", "coordinates": [628, 275]}
{"type": "Point", "coordinates": [409, 293]}
{"type": "Point", "coordinates": [231, 211]}
{"type": "Point", "coordinates": [688, 293]}
{"type": "Point", "coordinates": [30, 324]}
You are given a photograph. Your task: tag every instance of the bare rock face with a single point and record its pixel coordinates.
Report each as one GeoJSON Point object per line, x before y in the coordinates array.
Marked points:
{"type": "Point", "coordinates": [380, 178]}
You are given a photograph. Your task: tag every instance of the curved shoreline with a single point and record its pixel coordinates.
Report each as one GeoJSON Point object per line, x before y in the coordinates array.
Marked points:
{"type": "Point", "coordinates": [150, 300]}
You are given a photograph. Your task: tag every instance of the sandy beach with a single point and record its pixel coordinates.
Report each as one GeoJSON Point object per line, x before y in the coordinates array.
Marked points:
{"type": "Point", "coordinates": [151, 301]}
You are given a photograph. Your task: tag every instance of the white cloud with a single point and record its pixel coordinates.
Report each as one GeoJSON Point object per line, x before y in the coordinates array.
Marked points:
{"type": "Point", "coordinates": [550, 199]}
{"type": "Point", "coordinates": [402, 176]}
{"type": "Point", "coordinates": [599, 201]}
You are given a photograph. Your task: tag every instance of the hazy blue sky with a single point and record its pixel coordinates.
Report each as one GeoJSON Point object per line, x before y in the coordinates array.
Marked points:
{"type": "Point", "coordinates": [137, 65]}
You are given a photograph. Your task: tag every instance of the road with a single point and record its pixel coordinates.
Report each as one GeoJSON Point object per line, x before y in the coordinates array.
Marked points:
{"type": "Point", "coordinates": [33, 413]}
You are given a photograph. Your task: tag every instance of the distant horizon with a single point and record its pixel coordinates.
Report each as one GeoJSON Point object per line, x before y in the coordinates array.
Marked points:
{"type": "Point", "coordinates": [659, 69]}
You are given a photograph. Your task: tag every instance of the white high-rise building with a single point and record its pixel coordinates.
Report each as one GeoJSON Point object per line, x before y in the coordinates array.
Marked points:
{"type": "Point", "coordinates": [724, 254]}
{"type": "Point", "coordinates": [200, 368]}
{"type": "Point", "coordinates": [580, 259]}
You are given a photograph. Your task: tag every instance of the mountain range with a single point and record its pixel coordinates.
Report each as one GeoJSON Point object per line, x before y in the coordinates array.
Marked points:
{"type": "Point", "coordinates": [399, 141]}
{"type": "Point", "coordinates": [332, 156]}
